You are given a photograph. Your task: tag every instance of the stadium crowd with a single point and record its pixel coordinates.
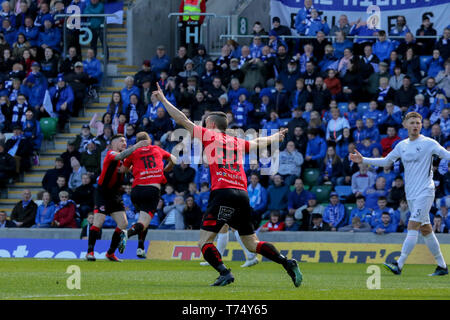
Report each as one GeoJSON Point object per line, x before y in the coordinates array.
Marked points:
{"type": "Point", "coordinates": [334, 97]}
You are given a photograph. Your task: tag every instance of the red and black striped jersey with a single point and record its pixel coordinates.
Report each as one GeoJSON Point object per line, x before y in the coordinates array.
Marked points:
{"type": "Point", "coordinates": [110, 177]}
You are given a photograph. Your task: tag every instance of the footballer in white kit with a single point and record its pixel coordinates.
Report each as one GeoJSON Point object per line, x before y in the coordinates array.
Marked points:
{"type": "Point", "coordinates": [416, 153]}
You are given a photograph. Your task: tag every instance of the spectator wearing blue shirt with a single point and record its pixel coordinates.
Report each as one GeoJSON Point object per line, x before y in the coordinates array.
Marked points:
{"type": "Point", "coordinates": [426, 127]}
{"type": "Point", "coordinates": [382, 207]}
{"type": "Point", "coordinates": [360, 133]}
{"type": "Point", "coordinates": [241, 111]}
{"type": "Point", "coordinates": [314, 24]}
{"type": "Point", "coordinates": [334, 213]}
{"type": "Point", "coordinates": [277, 196]}
{"type": "Point", "coordinates": [389, 175]}
{"type": "Point", "coordinates": [419, 106]}
{"type": "Point", "coordinates": [203, 196]}
{"type": "Point", "coordinates": [372, 132]}
{"type": "Point", "coordinates": [257, 195]}
{"type": "Point", "coordinates": [160, 61]}
{"type": "Point", "coordinates": [45, 212]}
{"type": "Point", "coordinates": [169, 195]}
{"type": "Point", "coordinates": [30, 31]}
{"type": "Point", "coordinates": [361, 29]}
{"type": "Point", "coordinates": [128, 90]}
{"type": "Point", "coordinates": [373, 113]}
{"type": "Point", "coordinates": [340, 44]}
{"type": "Point", "coordinates": [299, 96]}
{"type": "Point", "coordinates": [373, 193]}
{"type": "Point", "coordinates": [435, 64]}
{"type": "Point", "coordinates": [391, 116]}
{"type": "Point", "coordinates": [360, 210]}
{"type": "Point", "coordinates": [202, 175]}
{"type": "Point", "coordinates": [302, 15]}
{"type": "Point", "coordinates": [400, 29]}
{"type": "Point", "coordinates": [9, 32]}
{"type": "Point", "coordinates": [43, 13]}
{"type": "Point", "coordinates": [274, 124]}
{"type": "Point", "coordinates": [92, 66]}
{"type": "Point", "coordinates": [297, 198]}
{"type": "Point", "coordinates": [383, 47]}
{"type": "Point", "coordinates": [7, 14]}
{"type": "Point", "coordinates": [32, 128]}
{"type": "Point", "coordinates": [50, 36]}
{"type": "Point", "coordinates": [64, 102]}
{"type": "Point", "coordinates": [130, 210]}
{"type": "Point", "coordinates": [316, 149]}
{"type": "Point", "coordinates": [236, 91]}
{"type": "Point", "coordinates": [386, 225]}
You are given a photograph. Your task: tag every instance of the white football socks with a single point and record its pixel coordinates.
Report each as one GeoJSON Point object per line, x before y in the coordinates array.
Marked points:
{"type": "Point", "coordinates": [222, 242]}
{"type": "Point", "coordinates": [433, 244]}
{"type": "Point", "coordinates": [408, 246]}
{"type": "Point", "coordinates": [249, 255]}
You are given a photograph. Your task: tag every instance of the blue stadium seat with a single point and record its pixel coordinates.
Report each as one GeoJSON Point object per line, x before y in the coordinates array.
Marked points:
{"type": "Point", "coordinates": [343, 191]}
{"type": "Point", "coordinates": [420, 89]}
{"type": "Point", "coordinates": [343, 107]}
{"type": "Point", "coordinates": [362, 107]}
{"type": "Point", "coordinates": [424, 62]}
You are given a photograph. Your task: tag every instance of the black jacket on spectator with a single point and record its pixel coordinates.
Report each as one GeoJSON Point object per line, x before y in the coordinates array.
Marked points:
{"type": "Point", "coordinates": [7, 167]}
{"type": "Point", "coordinates": [177, 65]}
{"type": "Point", "coordinates": [50, 177]}
{"type": "Point", "coordinates": [192, 217]}
{"type": "Point", "coordinates": [405, 97]}
{"type": "Point", "coordinates": [84, 195]}
{"type": "Point", "coordinates": [319, 48]}
{"type": "Point", "coordinates": [79, 83]}
{"type": "Point", "coordinates": [412, 68]}
{"type": "Point", "coordinates": [321, 98]}
{"type": "Point", "coordinates": [353, 81]}
{"type": "Point", "coordinates": [68, 65]}
{"type": "Point", "coordinates": [390, 96]}
{"type": "Point", "coordinates": [281, 104]}
{"type": "Point", "coordinates": [26, 215]}
{"type": "Point", "coordinates": [54, 193]}
{"type": "Point", "coordinates": [50, 67]}
{"type": "Point", "coordinates": [161, 126]}
{"type": "Point", "coordinates": [444, 49]}
{"type": "Point", "coordinates": [297, 122]}
{"type": "Point", "coordinates": [349, 167]}
{"type": "Point", "coordinates": [181, 178]}
{"type": "Point", "coordinates": [66, 157]}
{"type": "Point", "coordinates": [142, 75]}
{"type": "Point", "coordinates": [24, 151]}
{"type": "Point", "coordinates": [427, 44]}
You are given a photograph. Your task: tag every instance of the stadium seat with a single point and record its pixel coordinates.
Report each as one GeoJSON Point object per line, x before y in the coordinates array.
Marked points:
{"type": "Point", "coordinates": [362, 107]}
{"type": "Point", "coordinates": [348, 211]}
{"type": "Point", "coordinates": [424, 60]}
{"type": "Point", "coordinates": [420, 88]}
{"type": "Point", "coordinates": [343, 107]}
{"type": "Point", "coordinates": [322, 192]}
{"type": "Point", "coordinates": [343, 191]}
{"type": "Point", "coordinates": [310, 176]}
{"type": "Point", "coordinates": [49, 127]}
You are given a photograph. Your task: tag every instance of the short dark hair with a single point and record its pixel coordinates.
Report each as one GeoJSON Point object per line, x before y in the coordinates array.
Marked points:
{"type": "Point", "coordinates": [220, 120]}
{"type": "Point", "coordinates": [360, 197]}
{"type": "Point", "coordinates": [117, 136]}
{"type": "Point", "coordinates": [384, 212]}
{"type": "Point", "coordinates": [382, 198]}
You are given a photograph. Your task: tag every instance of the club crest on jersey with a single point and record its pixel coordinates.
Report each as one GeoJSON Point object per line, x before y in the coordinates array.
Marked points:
{"type": "Point", "coordinates": [418, 149]}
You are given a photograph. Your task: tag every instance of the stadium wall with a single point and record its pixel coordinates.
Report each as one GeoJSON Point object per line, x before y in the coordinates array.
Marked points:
{"type": "Point", "coordinates": [182, 245]}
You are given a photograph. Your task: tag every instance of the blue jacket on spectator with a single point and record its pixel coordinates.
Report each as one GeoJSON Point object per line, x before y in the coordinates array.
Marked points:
{"type": "Point", "coordinates": [31, 34]}
{"type": "Point", "coordinates": [289, 79]}
{"type": "Point", "coordinates": [298, 98]}
{"type": "Point", "coordinates": [377, 213]}
{"type": "Point", "coordinates": [434, 66]}
{"type": "Point", "coordinates": [277, 197]}
{"type": "Point", "coordinates": [313, 26]}
{"type": "Point", "coordinates": [391, 227]}
{"type": "Point", "coordinates": [375, 115]}
{"type": "Point", "coordinates": [81, 4]}
{"type": "Point", "coordinates": [258, 198]}
{"type": "Point", "coordinates": [159, 64]}
{"type": "Point", "coordinates": [65, 95]}
{"type": "Point", "coordinates": [202, 175]}
{"type": "Point", "coordinates": [33, 128]}
{"type": "Point", "coordinates": [423, 110]}
{"type": "Point", "coordinates": [335, 215]}
{"type": "Point", "coordinates": [296, 200]}
{"type": "Point", "coordinates": [339, 47]}
{"type": "Point", "coordinates": [316, 148]}
{"type": "Point", "coordinates": [403, 133]}
{"type": "Point", "coordinates": [301, 16]}
{"type": "Point", "coordinates": [361, 213]}
{"type": "Point", "coordinates": [233, 95]}
{"type": "Point", "coordinates": [372, 196]}
{"type": "Point", "coordinates": [383, 49]}
{"type": "Point", "coordinates": [394, 119]}
{"type": "Point", "coordinates": [271, 126]}
{"type": "Point", "coordinates": [45, 214]}
{"type": "Point", "coordinates": [10, 16]}
{"type": "Point", "coordinates": [126, 93]}
{"type": "Point", "coordinates": [390, 177]}
{"type": "Point", "coordinates": [51, 37]}
{"type": "Point", "coordinates": [373, 133]}
{"type": "Point", "coordinates": [202, 200]}
{"type": "Point", "coordinates": [240, 113]}
{"type": "Point", "coordinates": [359, 136]}
{"type": "Point", "coordinates": [93, 68]}
{"type": "Point", "coordinates": [10, 35]}
{"type": "Point", "coordinates": [35, 94]}
{"type": "Point", "coordinates": [168, 198]}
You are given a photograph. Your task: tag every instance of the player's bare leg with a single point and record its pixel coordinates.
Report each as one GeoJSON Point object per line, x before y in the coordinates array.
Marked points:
{"type": "Point", "coordinates": [214, 258]}
{"type": "Point", "coordinates": [99, 219]}
{"type": "Point", "coordinates": [139, 228]}
{"type": "Point", "coordinates": [121, 220]}
{"type": "Point", "coordinates": [268, 250]}
{"type": "Point", "coordinates": [433, 245]}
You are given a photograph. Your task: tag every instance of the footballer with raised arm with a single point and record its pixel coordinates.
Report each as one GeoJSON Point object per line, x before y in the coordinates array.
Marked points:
{"type": "Point", "coordinates": [108, 195]}
{"type": "Point", "coordinates": [228, 201]}
{"type": "Point", "coordinates": [148, 173]}
{"type": "Point", "coordinates": [416, 153]}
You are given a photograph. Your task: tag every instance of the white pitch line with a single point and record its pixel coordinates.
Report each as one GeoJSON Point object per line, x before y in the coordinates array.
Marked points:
{"type": "Point", "coordinates": [62, 295]}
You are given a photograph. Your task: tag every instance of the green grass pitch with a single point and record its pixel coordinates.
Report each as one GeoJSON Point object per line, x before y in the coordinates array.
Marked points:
{"type": "Point", "coordinates": [179, 280]}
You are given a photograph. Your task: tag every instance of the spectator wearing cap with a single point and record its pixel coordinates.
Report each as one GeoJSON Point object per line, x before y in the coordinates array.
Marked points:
{"type": "Point", "coordinates": [144, 74]}
{"type": "Point", "coordinates": [318, 224]}
{"type": "Point", "coordinates": [334, 213]}
{"type": "Point", "coordinates": [92, 66]}
{"type": "Point", "coordinates": [290, 75]}
{"type": "Point", "coordinates": [30, 31]}
{"type": "Point", "coordinates": [160, 61]}
{"type": "Point", "coordinates": [83, 138]}
{"type": "Point", "coordinates": [280, 29]}
{"type": "Point", "coordinates": [302, 15]}
{"type": "Point", "coordinates": [62, 100]}
{"type": "Point", "coordinates": [50, 36]}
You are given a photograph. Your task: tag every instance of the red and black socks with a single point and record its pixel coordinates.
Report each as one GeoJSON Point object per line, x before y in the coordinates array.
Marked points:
{"type": "Point", "coordinates": [266, 249]}
{"type": "Point", "coordinates": [115, 241]}
{"type": "Point", "coordinates": [136, 228]}
{"type": "Point", "coordinates": [213, 257]}
{"type": "Point", "coordinates": [92, 238]}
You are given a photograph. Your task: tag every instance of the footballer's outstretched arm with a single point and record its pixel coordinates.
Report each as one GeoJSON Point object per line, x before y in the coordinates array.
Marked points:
{"type": "Point", "coordinates": [170, 163]}
{"type": "Point", "coordinates": [127, 152]}
{"type": "Point", "coordinates": [263, 142]}
{"type": "Point", "coordinates": [179, 117]}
